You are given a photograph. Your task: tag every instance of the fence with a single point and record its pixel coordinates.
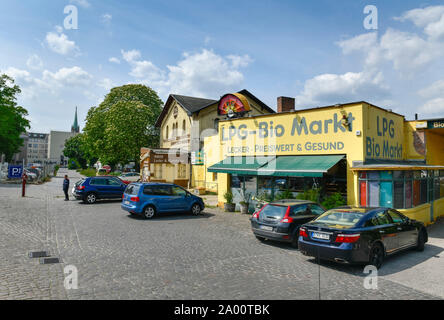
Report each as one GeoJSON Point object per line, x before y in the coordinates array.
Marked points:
{"type": "Point", "coordinates": [36, 175]}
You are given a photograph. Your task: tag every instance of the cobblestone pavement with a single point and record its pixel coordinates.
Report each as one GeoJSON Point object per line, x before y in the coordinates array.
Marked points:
{"type": "Point", "coordinates": [214, 256]}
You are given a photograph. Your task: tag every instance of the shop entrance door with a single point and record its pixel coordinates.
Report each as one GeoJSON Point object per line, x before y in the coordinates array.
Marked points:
{"type": "Point", "coordinates": [386, 197]}
{"type": "Point", "coordinates": [239, 183]}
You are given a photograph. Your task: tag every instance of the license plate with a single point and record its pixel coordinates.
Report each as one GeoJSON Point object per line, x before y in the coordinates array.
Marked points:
{"type": "Point", "coordinates": [321, 236]}
{"type": "Point", "coordinates": [267, 228]}
{"type": "Point", "coordinates": [127, 202]}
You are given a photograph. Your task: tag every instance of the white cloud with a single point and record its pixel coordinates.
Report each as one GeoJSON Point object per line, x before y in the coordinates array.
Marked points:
{"type": "Point", "coordinates": [202, 74]}
{"type": "Point", "coordinates": [364, 41]}
{"type": "Point", "coordinates": [60, 43]}
{"type": "Point", "coordinates": [431, 19]}
{"type": "Point", "coordinates": [19, 75]}
{"type": "Point", "coordinates": [107, 18]}
{"type": "Point", "coordinates": [106, 84]}
{"type": "Point", "coordinates": [433, 106]}
{"type": "Point", "coordinates": [74, 76]}
{"type": "Point", "coordinates": [327, 89]}
{"type": "Point", "coordinates": [435, 89]}
{"type": "Point", "coordinates": [34, 62]}
{"type": "Point", "coordinates": [114, 60]}
{"type": "Point", "coordinates": [82, 3]}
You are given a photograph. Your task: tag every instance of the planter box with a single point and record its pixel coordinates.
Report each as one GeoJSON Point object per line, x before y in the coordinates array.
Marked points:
{"type": "Point", "coordinates": [229, 207]}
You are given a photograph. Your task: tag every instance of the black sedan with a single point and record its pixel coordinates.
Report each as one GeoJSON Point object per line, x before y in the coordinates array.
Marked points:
{"type": "Point", "coordinates": [280, 220]}
{"type": "Point", "coordinates": [360, 235]}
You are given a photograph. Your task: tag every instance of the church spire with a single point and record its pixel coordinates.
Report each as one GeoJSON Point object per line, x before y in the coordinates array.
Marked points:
{"type": "Point", "coordinates": [75, 127]}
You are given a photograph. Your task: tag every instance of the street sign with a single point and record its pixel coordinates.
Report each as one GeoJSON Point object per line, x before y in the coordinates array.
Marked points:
{"type": "Point", "coordinates": [15, 172]}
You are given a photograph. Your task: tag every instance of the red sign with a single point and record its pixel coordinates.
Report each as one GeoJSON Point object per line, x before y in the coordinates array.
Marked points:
{"type": "Point", "coordinates": [233, 104]}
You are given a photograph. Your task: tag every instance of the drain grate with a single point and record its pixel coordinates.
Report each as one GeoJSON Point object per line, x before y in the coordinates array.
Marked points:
{"type": "Point", "coordinates": [39, 254]}
{"type": "Point", "coordinates": [49, 260]}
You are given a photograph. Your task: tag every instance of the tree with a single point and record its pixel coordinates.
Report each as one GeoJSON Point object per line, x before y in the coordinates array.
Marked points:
{"type": "Point", "coordinates": [123, 123]}
{"type": "Point", "coordinates": [74, 149]}
{"type": "Point", "coordinates": [12, 118]}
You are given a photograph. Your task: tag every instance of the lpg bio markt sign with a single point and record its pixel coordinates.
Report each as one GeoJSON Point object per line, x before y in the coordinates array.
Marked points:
{"type": "Point", "coordinates": [277, 135]}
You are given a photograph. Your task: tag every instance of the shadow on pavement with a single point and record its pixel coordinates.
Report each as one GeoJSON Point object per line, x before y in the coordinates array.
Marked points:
{"type": "Point", "coordinates": [173, 216]}
{"type": "Point", "coordinates": [392, 264]}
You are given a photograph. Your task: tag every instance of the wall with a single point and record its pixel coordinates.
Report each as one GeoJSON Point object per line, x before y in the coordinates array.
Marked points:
{"type": "Point", "coordinates": [306, 132]}
{"type": "Point", "coordinates": [56, 143]}
{"type": "Point", "coordinates": [435, 146]}
{"type": "Point", "coordinates": [182, 140]}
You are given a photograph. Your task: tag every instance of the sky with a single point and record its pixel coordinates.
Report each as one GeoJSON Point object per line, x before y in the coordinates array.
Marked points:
{"type": "Point", "coordinates": [320, 52]}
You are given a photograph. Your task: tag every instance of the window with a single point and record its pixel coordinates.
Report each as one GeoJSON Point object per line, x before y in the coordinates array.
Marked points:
{"type": "Point", "coordinates": [158, 170]}
{"type": "Point", "coordinates": [299, 210]}
{"type": "Point", "coordinates": [382, 218]}
{"type": "Point", "coordinates": [184, 127]}
{"type": "Point", "coordinates": [162, 190]}
{"type": "Point", "coordinates": [98, 182]}
{"type": "Point", "coordinates": [113, 182]}
{"type": "Point", "coordinates": [166, 133]}
{"type": "Point", "coordinates": [396, 217]}
{"type": "Point", "coordinates": [178, 192]}
{"type": "Point", "coordinates": [132, 189]}
{"type": "Point", "coordinates": [317, 210]}
{"type": "Point", "coordinates": [181, 171]}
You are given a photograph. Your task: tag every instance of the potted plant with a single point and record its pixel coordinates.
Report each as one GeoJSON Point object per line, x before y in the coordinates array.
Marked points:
{"type": "Point", "coordinates": [245, 203]}
{"type": "Point", "coordinates": [229, 206]}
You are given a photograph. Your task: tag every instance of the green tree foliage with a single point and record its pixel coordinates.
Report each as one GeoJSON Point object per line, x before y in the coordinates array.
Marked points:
{"type": "Point", "coordinates": [334, 201]}
{"type": "Point", "coordinates": [12, 118]}
{"type": "Point", "coordinates": [122, 124]}
{"type": "Point", "coordinates": [76, 149]}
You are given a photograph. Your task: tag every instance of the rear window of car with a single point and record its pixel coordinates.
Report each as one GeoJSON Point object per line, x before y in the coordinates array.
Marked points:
{"type": "Point", "coordinates": [132, 189]}
{"type": "Point", "coordinates": [340, 218]}
{"type": "Point", "coordinates": [274, 211]}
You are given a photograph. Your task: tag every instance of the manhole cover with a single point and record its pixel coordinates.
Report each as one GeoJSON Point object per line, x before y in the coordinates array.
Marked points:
{"type": "Point", "coordinates": [49, 260]}
{"type": "Point", "coordinates": [38, 254]}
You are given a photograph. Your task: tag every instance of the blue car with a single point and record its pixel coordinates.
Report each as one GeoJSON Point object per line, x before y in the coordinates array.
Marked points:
{"type": "Point", "coordinates": [149, 199]}
{"type": "Point", "coordinates": [93, 188]}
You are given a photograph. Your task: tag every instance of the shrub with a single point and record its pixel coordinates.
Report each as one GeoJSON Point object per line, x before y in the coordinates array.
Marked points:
{"type": "Point", "coordinates": [73, 164]}
{"type": "Point", "coordinates": [310, 194]}
{"type": "Point", "coordinates": [91, 172]}
{"type": "Point", "coordinates": [287, 194]}
{"type": "Point", "coordinates": [333, 201]}
{"type": "Point", "coordinates": [228, 197]}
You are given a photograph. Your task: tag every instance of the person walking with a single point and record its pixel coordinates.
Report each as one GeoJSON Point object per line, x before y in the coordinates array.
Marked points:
{"type": "Point", "coordinates": [66, 187]}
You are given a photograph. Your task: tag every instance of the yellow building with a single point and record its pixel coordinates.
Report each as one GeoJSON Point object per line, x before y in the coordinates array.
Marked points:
{"type": "Point", "coordinates": [373, 156]}
{"type": "Point", "coordinates": [183, 124]}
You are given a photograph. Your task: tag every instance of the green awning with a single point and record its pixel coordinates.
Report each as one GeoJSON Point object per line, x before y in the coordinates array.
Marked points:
{"type": "Point", "coordinates": [299, 166]}
{"type": "Point", "coordinates": [240, 165]}
{"type": "Point", "coordinates": [282, 166]}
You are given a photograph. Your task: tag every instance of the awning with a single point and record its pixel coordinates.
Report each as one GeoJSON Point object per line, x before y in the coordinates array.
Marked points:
{"type": "Point", "coordinates": [299, 166]}
{"type": "Point", "coordinates": [283, 166]}
{"type": "Point", "coordinates": [240, 165]}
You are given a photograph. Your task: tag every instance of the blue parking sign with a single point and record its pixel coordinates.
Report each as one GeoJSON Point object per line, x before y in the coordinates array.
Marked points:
{"type": "Point", "coordinates": [15, 172]}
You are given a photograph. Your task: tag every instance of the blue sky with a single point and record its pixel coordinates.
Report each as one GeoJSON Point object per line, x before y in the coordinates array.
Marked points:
{"type": "Point", "coordinates": [316, 51]}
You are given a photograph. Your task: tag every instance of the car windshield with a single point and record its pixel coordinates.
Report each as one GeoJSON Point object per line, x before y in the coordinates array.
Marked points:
{"type": "Point", "coordinates": [132, 189]}
{"type": "Point", "coordinates": [274, 211]}
{"type": "Point", "coordinates": [340, 218]}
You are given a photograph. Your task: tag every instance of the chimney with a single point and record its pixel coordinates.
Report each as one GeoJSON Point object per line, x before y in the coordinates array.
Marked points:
{"type": "Point", "coordinates": [285, 104]}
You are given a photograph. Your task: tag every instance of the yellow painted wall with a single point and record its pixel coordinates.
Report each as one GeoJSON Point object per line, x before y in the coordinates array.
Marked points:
{"type": "Point", "coordinates": [171, 141]}
{"type": "Point", "coordinates": [420, 213]}
{"type": "Point", "coordinates": [410, 130]}
{"type": "Point", "coordinates": [435, 146]}
{"type": "Point", "coordinates": [316, 132]}
{"type": "Point", "coordinates": [438, 208]}
{"type": "Point", "coordinates": [384, 134]}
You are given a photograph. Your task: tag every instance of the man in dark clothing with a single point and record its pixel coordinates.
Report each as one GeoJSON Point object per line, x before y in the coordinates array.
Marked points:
{"type": "Point", "coordinates": [66, 187]}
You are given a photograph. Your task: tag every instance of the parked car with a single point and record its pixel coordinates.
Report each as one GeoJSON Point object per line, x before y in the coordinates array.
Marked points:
{"type": "Point", "coordinates": [31, 175]}
{"type": "Point", "coordinates": [130, 176]}
{"type": "Point", "coordinates": [150, 199]}
{"type": "Point", "coordinates": [93, 188]}
{"type": "Point", "coordinates": [361, 235]}
{"type": "Point", "coordinates": [280, 220]}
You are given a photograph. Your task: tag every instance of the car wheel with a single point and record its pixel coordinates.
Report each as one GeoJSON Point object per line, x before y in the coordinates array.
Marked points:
{"type": "Point", "coordinates": [376, 256]}
{"type": "Point", "coordinates": [90, 198]}
{"type": "Point", "coordinates": [421, 241]}
{"type": "Point", "coordinates": [295, 241]}
{"type": "Point", "coordinates": [195, 209]}
{"type": "Point", "coordinates": [149, 212]}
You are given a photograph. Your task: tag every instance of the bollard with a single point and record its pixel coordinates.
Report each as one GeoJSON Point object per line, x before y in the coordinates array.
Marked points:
{"type": "Point", "coordinates": [24, 177]}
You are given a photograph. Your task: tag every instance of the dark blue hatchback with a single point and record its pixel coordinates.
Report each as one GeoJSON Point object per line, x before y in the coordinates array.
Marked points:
{"type": "Point", "coordinates": [93, 188]}
{"type": "Point", "coordinates": [149, 199]}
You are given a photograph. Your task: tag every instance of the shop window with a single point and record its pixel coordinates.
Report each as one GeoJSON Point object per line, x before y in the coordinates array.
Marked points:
{"type": "Point", "coordinates": [373, 189]}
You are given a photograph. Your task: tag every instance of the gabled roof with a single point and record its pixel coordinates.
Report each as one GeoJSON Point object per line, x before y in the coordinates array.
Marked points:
{"type": "Point", "coordinates": [193, 105]}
